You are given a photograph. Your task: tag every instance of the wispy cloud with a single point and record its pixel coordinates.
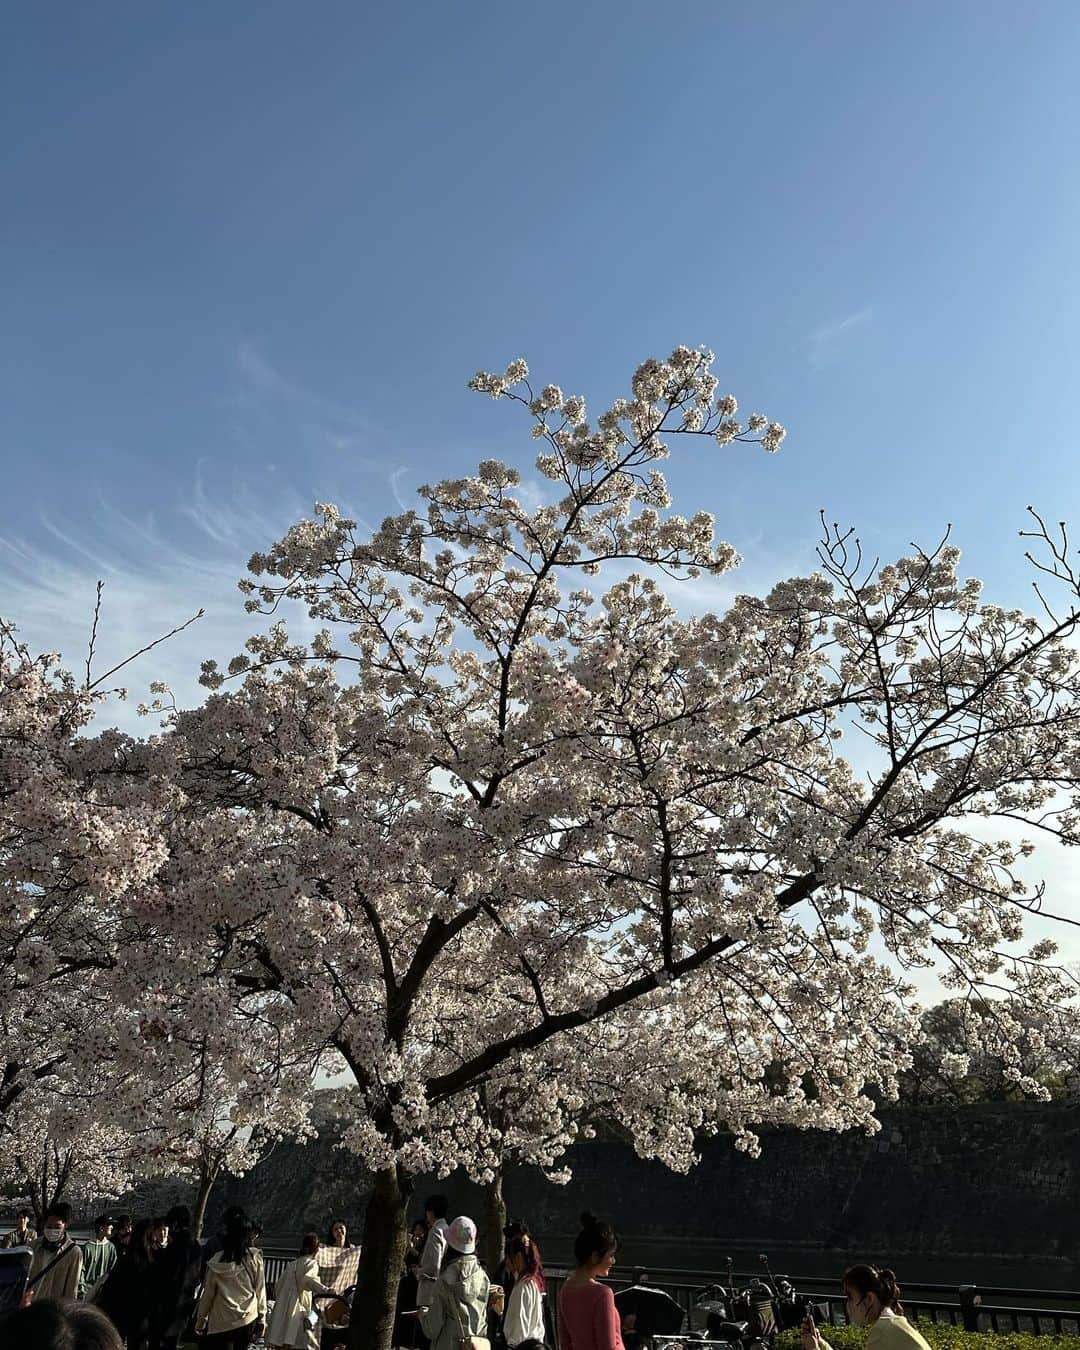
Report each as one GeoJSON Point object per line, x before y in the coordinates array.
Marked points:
{"type": "Point", "coordinates": [163, 562]}
{"type": "Point", "coordinates": [154, 577]}
{"type": "Point", "coordinates": [821, 344]}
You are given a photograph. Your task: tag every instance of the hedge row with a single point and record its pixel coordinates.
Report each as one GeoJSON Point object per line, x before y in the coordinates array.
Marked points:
{"type": "Point", "coordinates": [941, 1337]}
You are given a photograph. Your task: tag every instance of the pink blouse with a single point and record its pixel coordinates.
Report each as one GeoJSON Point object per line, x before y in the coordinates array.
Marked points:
{"type": "Point", "coordinates": [587, 1318]}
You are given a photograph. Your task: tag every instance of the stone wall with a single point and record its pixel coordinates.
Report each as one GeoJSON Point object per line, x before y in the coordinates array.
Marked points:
{"type": "Point", "coordinates": [991, 1179]}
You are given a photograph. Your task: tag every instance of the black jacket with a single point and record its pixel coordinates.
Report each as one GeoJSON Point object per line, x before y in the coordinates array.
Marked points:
{"type": "Point", "coordinates": [181, 1273]}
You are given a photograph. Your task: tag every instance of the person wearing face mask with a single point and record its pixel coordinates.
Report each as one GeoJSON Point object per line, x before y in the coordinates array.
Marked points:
{"type": "Point", "coordinates": [57, 1265]}
{"type": "Point", "coordinates": [872, 1300]}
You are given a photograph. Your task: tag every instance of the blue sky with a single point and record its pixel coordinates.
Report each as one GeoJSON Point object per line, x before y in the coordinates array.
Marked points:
{"type": "Point", "coordinates": [252, 252]}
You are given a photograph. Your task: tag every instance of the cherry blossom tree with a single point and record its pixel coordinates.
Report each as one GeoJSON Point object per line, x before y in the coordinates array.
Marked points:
{"type": "Point", "coordinates": [485, 809]}
{"type": "Point", "coordinates": [116, 1057]}
{"type": "Point", "coordinates": [222, 1140]}
{"type": "Point", "coordinates": [58, 1155]}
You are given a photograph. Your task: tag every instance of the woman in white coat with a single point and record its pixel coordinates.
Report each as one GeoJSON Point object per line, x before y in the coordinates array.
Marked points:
{"type": "Point", "coordinates": [292, 1324]}
{"type": "Point", "coordinates": [524, 1317]}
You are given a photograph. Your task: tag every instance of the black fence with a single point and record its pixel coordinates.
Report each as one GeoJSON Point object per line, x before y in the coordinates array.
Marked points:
{"type": "Point", "coordinates": [977, 1308]}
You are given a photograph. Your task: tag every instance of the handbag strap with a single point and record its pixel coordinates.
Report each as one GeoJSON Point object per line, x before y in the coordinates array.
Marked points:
{"type": "Point", "coordinates": [466, 1335]}
{"type": "Point", "coordinates": [69, 1246]}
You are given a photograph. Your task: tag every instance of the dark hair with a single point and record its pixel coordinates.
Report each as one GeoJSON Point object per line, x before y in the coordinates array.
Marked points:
{"type": "Point", "coordinates": [597, 1238]}
{"type": "Point", "coordinates": [438, 1205]}
{"type": "Point", "coordinates": [525, 1247]}
{"type": "Point", "coordinates": [641, 1275]}
{"type": "Point", "coordinates": [179, 1217]}
{"type": "Point", "coordinates": [53, 1324]}
{"type": "Point", "coordinates": [159, 1221]}
{"type": "Point", "coordinates": [330, 1230]}
{"type": "Point", "coordinates": [122, 1221]}
{"type": "Point", "coordinates": [59, 1210]}
{"type": "Point", "coordinates": [309, 1244]}
{"type": "Point", "coordinates": [237, 1236]}
{"type": "Point", "coordinates": [24, 1214]}
{"type": "Point", "coordinates": [102, 1221]}
{"type": "Point", "coordinates": [516, 1228]}
{"type": "Point", "coordinates": [139, 1246]}
{"type": "Point", "coordinates": [869, 1280]}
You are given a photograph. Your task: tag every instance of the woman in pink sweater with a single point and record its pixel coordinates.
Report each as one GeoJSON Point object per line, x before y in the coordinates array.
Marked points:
{"type": "Point", "coordinates": [587, 1316]}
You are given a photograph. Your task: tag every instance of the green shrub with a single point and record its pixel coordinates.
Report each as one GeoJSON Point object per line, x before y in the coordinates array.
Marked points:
{"type": "Point", "coordinates": [941, 1338]}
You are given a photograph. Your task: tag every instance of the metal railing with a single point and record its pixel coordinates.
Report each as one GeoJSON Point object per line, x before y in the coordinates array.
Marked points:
{"type": "Point", "coordinates": [977, 1308]}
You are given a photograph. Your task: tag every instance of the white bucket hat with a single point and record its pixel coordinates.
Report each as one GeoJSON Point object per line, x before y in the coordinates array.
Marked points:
{"type": "Point", "coordinates": [461, 1235]}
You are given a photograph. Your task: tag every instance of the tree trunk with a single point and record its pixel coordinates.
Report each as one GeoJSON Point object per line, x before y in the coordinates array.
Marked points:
{"type": "Point", "coordinates": [207, 1177]}
{"type": "Point", "coordinates": [494, 1222]}
{"type": "Point", "coordinates": [371, 1322]}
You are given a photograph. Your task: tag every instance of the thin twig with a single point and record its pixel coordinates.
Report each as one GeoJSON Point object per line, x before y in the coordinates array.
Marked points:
{"type": "Point", "coordinates": [149, 646]}
{"type": "Point", "coordinates": [93, 631]}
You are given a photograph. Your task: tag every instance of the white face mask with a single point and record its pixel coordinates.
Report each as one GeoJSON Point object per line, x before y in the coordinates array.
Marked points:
{"type": "Point", "coordinates": [53, 1234]}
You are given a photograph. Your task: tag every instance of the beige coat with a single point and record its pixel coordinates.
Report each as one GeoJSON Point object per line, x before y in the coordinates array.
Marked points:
{"type": "Point", "coordinates": [234, 1294]}
{"type": "Point", "coordinates": [62, 1281]}
{"type": "Point", "coordinates": [288, 1324]}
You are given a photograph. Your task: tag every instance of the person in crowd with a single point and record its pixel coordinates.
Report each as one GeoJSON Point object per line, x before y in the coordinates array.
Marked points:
{"type": "Point", "coordinates": [23, 1234]}
{"type": "Point", "coordinates": [505, 1279]}
{"type": "Point", "coordinates": [458, 1305]}
{"type": "Point", "coordinates": [523, 1319]}
{"type": "Point", "coordinates": [872, 1300]}
{"type": "Point", "coordinates": [159, 1232]}
{"type": "Point", "coordinates": [417, 1236]}
{"type": "Point", "coordinates": [123, 1226]}
{"type": "Point", "coordinates": [98, 1257]}
{"type": "Point", "coordinates": [292, 1321]}
{"type": "Point", "coordinates": [338, 1259]}
{"type": "Point", "coordinates": [587, 1316]}
{"type": "Point", "coordinates": [503, 1274]}
{"type": "Point", "coordinates": [130, 1294]}
{"type": "Point", "coordinates": [214, 1244]}
{"type": "Point", "coordinates": [232, 1309]}
{"type": "Point", "coordinates": [646, 1311]}
{"type": "Point", "coordinates": [181, 1272]}
{"type": "Point", "coordinates": [431, 1256]}
{"type": "Point", "coordinates": [52, 1324]}
{"type": "Point", "coordinates": [57, 1264]}
{"type": "Point", "coordinates": [406, 1321]}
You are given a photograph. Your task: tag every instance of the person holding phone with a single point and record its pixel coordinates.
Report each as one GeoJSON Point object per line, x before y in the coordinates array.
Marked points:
{"type": "Point", "coordinates": [872, 1299]}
